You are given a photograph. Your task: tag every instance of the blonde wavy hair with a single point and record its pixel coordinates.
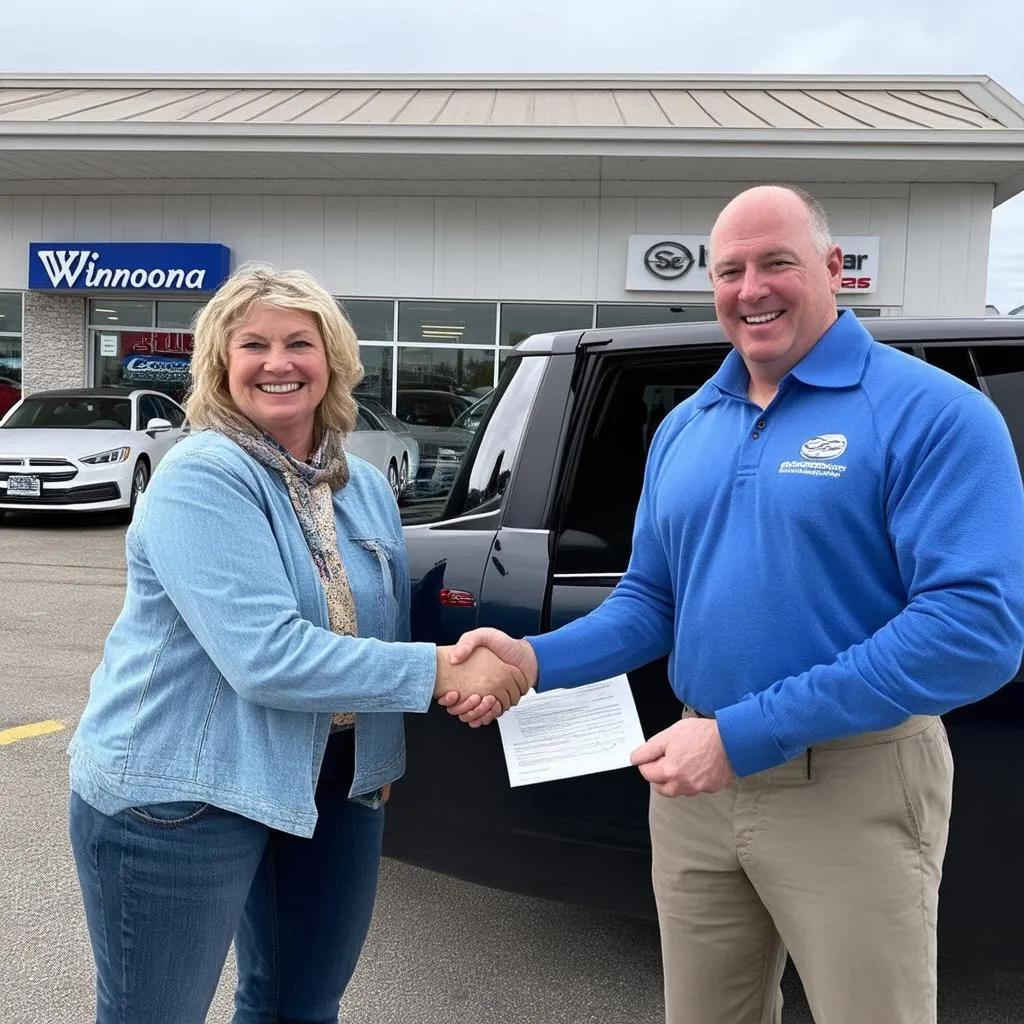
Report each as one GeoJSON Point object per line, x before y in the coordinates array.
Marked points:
{"type": "Point", "coordinates": [209, 402]}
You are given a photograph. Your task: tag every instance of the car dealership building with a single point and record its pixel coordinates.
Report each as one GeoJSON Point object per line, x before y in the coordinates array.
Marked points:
{"type": "Point", "coordinates": [453, 216]}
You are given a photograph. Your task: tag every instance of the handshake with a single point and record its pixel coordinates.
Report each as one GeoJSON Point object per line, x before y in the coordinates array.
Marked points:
{"type": "Point", "coordinates": [483, 675]}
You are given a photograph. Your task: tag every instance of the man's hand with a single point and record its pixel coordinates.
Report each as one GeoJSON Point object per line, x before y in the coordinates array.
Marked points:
{"type": "Point", "coordinates": [474, 709]}
{"type": "Point", "coordinates": [685, 759]}
{"type": "Point", "coordinates": [481, 680]}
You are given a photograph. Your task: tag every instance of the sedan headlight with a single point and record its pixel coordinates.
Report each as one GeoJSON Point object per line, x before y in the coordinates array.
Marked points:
{"type": "Point", "coordinates": [448, 455]}
{"type": "Point", "coordinates": [106, 458]}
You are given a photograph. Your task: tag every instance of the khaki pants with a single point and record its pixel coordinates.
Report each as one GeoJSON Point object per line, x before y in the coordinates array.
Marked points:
{"type": "Point", "coordinates": [834, 857]}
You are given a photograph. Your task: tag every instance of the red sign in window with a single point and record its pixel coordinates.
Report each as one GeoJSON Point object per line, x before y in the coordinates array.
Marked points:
{"type": "Point", "coordinates": [151, 343]}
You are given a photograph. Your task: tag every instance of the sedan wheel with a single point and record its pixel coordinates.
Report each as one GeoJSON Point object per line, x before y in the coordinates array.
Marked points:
{"type": "Point", "coordinates": [140, 480]}
{"type": "Point", "coordinates": [393, 479]}
{"type": "Point", "coordinates": [403, 474]}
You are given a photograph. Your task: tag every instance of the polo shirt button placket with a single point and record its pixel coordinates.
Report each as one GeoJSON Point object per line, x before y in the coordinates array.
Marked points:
{"type": "Point", "coordinates": [751, 454]}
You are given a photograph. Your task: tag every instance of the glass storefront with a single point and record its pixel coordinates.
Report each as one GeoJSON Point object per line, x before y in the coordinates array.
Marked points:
{"type": "Point", "coordinates": [521, 319]}
{"type": "Point", "coordinates": [378, 365]}
{"type": "Point", "coordinates": [10, 349]}
{"type": "Point", "coordinates": [425, 350]}
{"type": "Point", "coordinates": [142, 343]}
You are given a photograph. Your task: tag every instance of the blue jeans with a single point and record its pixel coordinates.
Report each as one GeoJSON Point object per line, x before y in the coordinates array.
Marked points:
{"type": "Point", "coordinates": [167, 886]}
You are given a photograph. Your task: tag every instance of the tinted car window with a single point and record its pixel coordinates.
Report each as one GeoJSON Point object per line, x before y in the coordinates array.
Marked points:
{"type": "Point", "coordinates": [430, 408]}
{"type": "Point", "coordinates": [1001, 374]}
{"type": "Point", "coordinates": [170, 412]}
{"type": "Point", "coordinates": [426, 409]}
{"type": "Point", "coordinates": [75, 412]}
{"type": "Point", "coordinates": [392, 424]}
{"type": "Point", "coordinates": [630, 403]}
{"type": "Point", "coordinates": [954, 359]}
{"type": "Point", "coordinates": [488, 464]}
{"type": "Point", "coordinates": [472, 417]}
{"type": "Point", "coordinates": [148, 410]}
{"type": "Point", "coordinates": [388, 422]}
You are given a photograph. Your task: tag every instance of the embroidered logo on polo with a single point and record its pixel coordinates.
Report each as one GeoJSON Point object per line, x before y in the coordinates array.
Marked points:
{"type": "Point", "coordinates": [817, 455]}
{"type": "Point", "coordinates": [824, 446]}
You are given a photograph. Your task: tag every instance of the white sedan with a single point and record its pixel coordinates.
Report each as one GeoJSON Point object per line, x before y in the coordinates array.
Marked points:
{"type": "Point", "coordinates": [84, 449]}
{"type": "Point", "coordinates": [386, 443]}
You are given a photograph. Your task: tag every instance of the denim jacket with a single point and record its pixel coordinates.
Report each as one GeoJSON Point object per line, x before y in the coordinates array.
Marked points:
{"type": "Point", "coordinates": [220, 675]}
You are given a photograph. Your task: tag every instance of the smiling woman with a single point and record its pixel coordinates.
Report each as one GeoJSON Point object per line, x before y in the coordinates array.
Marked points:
{"type": "Point", "coordinates": [263, 329]}
{"type": "Point", "coordinates": [272, 565]}
{"type": "Point", "coordinates": [278, 375]}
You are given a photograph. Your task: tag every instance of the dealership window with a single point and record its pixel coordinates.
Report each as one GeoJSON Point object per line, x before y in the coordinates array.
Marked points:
{"type": "Point", "coordinates": [465, 372]}
{"type": "Point", "coordinates": [447, 323]}
{"type": "Point", "coordinates": [371, 319]}
{"type": "Point", "coordinates": [378, 361]}
{"type": "Point", "coordinates": [180, 315]}
{"type": "Point", "coordinates": [638, 315]}
{"type": "Point", "coordinates": [521, 319]}
{"type": "Point", "coordinates": [10, 349]}
{"type": "Point", "coordinates": [142, 343]}
{"type": "Point", "coordinates": [118, 313]}
{"type": "Point", "coordinates": [447, 347]}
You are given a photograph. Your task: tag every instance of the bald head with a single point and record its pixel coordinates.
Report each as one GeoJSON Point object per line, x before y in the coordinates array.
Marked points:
{"type": "Point", "coordinates": [786, 201]}
{"type": "Point", "coordinates": [775, 274]}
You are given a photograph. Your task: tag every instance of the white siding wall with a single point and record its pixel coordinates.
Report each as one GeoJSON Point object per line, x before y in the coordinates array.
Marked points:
{"type": "Point", "coordinates": [947, 249]}
{"type": "Point", "coordinates": [934, 239]}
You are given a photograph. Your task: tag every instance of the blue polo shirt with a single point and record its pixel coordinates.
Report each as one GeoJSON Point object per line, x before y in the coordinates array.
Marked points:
{"type": "Point", "coordinates": [848, 557]}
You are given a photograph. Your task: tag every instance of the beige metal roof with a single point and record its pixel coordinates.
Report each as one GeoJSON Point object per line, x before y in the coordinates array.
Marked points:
{"type": "Point", "coordinates": [608, 102]}
{"type": "Point", "coordinates": [572, 135]}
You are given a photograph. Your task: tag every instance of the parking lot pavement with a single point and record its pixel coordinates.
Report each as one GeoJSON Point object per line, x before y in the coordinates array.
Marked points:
{"type": "Point", "coordinates": [439, 951]}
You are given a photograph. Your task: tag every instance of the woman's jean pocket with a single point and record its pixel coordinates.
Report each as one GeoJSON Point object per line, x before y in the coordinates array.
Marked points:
{"type": "Point", "coordinates": [170, 814]}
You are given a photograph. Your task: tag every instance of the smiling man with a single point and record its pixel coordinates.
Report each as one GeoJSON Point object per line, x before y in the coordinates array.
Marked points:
{"type": "Point", "coordinates": [774, 286]}
{"type": "Point", "coordinates": [830, 547]}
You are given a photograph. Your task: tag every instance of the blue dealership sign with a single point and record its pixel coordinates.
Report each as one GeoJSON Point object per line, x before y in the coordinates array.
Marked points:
{"type": "Point", "coordinates": [155, 369]}
{"type": "Point", "coordinates": [128, 266]}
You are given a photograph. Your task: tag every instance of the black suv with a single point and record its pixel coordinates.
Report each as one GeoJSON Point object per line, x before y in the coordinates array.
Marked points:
{"type": "Point", "coordinates": [537, 530]}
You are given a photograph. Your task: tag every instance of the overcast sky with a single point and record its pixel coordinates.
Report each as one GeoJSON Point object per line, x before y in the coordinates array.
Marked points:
{"type": "Point", "coordinates": [731, 36]}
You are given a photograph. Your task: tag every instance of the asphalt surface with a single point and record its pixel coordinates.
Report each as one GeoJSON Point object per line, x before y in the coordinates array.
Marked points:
{"type": "Point", "coordinates": [439, 951]}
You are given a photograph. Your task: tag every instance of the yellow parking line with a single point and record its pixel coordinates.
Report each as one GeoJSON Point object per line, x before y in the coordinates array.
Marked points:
{"type": "Point", "coordinates": [24, 732]}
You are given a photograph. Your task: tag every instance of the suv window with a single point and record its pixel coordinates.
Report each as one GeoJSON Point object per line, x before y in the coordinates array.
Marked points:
{"type": "Point", "coordinates": [488, 463]}
{"type": "Point", "coordinates": [998, 370]}
{"type": "Point", "coordinates": [954, 359]}
{"type": "Point", "coordinates": [1001, 374]}
{"type": "Point", "coordinates": [635, 396]}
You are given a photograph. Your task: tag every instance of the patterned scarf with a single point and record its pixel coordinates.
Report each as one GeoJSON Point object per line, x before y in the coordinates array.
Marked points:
{"type": "Point", "coordinates": [310, 488]}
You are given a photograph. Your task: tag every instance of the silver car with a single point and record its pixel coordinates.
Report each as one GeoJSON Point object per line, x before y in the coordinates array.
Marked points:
{"type": "Point", "coordinates": [386, 443]}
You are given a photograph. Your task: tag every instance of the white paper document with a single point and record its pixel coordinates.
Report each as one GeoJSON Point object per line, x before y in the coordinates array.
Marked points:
{"type": "Point", "coordinates": [562, 733]}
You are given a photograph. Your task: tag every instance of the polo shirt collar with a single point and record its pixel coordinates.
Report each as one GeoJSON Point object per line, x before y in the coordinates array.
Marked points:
{"type": "Point", "coordinates": [839, 357]}
{"type": "Point", "coordinates": [836, 361]}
